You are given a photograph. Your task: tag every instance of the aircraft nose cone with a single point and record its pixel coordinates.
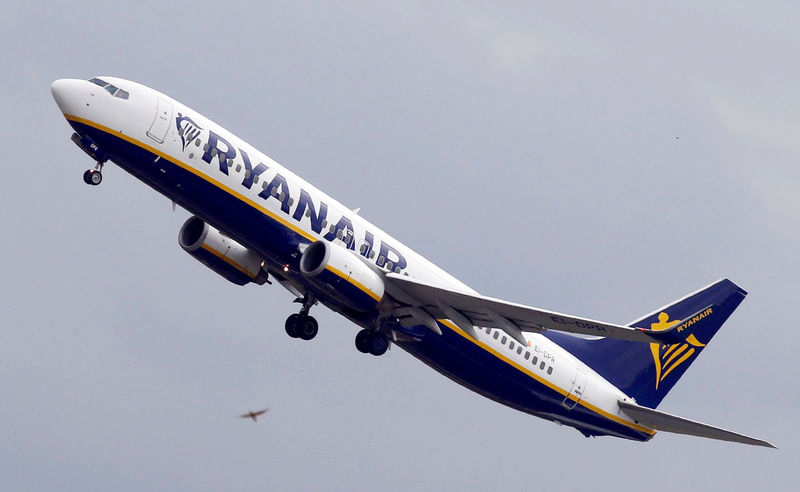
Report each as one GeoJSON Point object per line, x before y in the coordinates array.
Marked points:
{"type": "Point", "coordinates": [68, 94]}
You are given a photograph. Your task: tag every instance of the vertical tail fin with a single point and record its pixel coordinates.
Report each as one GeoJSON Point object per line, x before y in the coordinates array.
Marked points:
{"type": "Point", "coordinates": [648, 371]}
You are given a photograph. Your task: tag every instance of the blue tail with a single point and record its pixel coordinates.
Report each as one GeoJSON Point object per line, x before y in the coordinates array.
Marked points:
{"type": "Point", "coordinates": [648, 371]}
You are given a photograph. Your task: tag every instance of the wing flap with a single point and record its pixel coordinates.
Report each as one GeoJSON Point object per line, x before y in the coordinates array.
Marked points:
{"type": "Point", "coordinates": [488, 312]}
{"type": "Point", "coordinates": [671, 423]}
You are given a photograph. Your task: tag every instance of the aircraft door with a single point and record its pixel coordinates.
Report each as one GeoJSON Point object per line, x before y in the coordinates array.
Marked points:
{"type": "Point", "coordinates": [158, 129]}
{"type": "Point", "coordinates": [577, 391]}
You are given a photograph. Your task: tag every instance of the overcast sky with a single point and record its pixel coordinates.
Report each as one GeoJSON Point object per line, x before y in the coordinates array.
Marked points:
{"type": "Point", "coordinates": [595, 158]}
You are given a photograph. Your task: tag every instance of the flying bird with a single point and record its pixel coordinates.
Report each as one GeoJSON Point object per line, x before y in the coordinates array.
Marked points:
{"type": "Point", "coordinates": [254, 415]}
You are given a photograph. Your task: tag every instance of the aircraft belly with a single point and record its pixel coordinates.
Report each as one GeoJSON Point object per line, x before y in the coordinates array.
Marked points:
{"type": "Point", "coordinates": [476, 368]}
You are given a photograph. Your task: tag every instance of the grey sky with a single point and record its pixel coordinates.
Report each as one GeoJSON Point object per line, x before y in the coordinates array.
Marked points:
{"type": "Point", "coordinates": [594, 159]}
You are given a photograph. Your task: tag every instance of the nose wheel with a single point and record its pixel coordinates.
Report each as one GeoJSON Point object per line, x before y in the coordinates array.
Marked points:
{"type": "Point", "coordinates": [94, 176]}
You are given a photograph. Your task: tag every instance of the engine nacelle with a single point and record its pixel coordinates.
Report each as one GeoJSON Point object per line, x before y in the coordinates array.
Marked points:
{"type": "Point", "coordinates": [221, 253]}
{"type": "Point", "coordinates": [343, 275]}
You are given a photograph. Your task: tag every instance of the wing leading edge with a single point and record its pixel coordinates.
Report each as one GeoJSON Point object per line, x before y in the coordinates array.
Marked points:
{"type": "Point", "coordinates": [468, 310]}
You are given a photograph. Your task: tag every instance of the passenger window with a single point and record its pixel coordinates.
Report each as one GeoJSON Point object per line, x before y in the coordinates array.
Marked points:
{"type": "Point", "coordinates": [550, 370]}
{"type": "Point", "coordinates": [488, 330]}
{"type": "Point", "coordinates": [511, 345]}
{"type": "Point", "coordinates": [503, 340]}
{"type": "Point", "coordinates": [496, 334]}
{"type": "Point", "coordinates": [541, 366]}
{"type": "Point", "coordinates": [519, 350]}
{"type": "Point", "coordinates": [527, 355]}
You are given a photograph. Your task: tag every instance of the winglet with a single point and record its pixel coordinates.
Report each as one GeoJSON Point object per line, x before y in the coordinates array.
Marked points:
{"type": "Point", "coordinates": [669, 333]}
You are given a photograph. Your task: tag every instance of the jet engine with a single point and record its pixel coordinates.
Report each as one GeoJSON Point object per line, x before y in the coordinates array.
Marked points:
{"type": "Point", "coordinates": [221, 253]}
{"type": "Point", "coordinates": [343, 275]}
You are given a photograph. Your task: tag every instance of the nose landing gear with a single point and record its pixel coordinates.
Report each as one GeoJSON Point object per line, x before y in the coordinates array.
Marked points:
{"type": "Point", "coordinates": [92, 176]}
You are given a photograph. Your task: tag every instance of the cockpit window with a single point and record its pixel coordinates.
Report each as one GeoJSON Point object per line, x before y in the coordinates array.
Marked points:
{"type": "Point", "coordinates": [112, 89]}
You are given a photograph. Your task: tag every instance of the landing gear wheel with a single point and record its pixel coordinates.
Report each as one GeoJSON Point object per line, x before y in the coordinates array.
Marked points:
{"type": "Point", "coordinates": [291, 325]}
{"type": "Point", "coordinates": [361, 341]}
{"type": "Point", "coordinates": [378, 343]}
{"type": "Point", "coordinates": [92, 177]}
{"type": "Point", "coordinates": [307, 327]}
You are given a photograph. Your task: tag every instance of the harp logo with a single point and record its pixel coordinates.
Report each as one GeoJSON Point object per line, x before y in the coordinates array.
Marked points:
{"type": "Point", "coordinates": [668, 357]}
{"type": "Point", "coordinates": [187, 129]}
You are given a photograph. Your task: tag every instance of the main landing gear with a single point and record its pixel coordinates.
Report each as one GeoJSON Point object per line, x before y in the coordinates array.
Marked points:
{"type": "Point", "coordinates": [372, 342]}
{"type": "Point", "coordinates": [94, 176]}
{"type": "Point", "coordinates": [301, 325]}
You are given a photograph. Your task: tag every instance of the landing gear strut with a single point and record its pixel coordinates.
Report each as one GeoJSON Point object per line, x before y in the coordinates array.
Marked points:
{"type": "Point", "coordinates": [301, 325]}
{"type": "Point", "coordinates": [94, 176]}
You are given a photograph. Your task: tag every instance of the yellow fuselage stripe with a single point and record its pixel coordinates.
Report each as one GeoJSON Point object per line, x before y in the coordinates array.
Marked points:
{"type": "Point", "coordinates": [194, 171]}
{"type": "Point", "coordinates": [545, 382]}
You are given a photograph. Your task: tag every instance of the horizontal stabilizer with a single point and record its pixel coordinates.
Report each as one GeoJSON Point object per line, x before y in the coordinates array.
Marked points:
{"type": "Point", "coordinates": [670, 423]}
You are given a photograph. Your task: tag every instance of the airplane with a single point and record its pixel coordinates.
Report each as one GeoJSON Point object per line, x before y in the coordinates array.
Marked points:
{"type": "Point", "coordinates": [254, 415]}
{"type": "Point", "coordinates": [255, 221]}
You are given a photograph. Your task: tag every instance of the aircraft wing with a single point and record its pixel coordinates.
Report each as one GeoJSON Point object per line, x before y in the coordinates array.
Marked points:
{"type": "Point", "coordinates": [467, 310]}
{"type": "Point", "coordinates": [671, 423]}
